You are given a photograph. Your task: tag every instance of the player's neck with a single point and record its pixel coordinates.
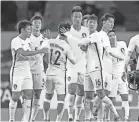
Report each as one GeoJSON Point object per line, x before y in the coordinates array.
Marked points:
{"type": "Point", "coordinates": [36, 33]}
{"type": "Point", "coordinates": [77, 27]}
{"type": "Point", "coordinates": [92, 32]}
{"type": "Point", "coordinates": [22, 37]}
{"type": "Point", "coordinates": [105, 29]}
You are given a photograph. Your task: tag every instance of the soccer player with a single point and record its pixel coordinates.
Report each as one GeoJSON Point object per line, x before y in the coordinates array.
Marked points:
{"type": "Point", "coordinates": [117, 84]}
{"type": "Point", "coordinates": [60, 51]}
{"type": "Point", "coordinates": [75, 73]}
{"type": "Point", "coordinates": [84, 20]}
{"type": "Point", "coordinates": [133, 45]}
{"type": "Point", "coordinates": [20, 75]}
{"type": "Point", "coordinates": [36, 40]}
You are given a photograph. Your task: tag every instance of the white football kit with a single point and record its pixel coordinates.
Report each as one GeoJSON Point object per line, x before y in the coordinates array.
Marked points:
{"type": "Point", "coordinates": [134, 45]}
{"type": "Point", "coordinates": [107, 60]}
{"type": "Point", "coordinates": [37, 65]}
{"type": "Point", "coordinates": [60, 51]}
{"type": "Point", "coordinates": [20, 74]}
{"type": "Point", "coordinates": [95, 66]}
{"type": "Point", "coordinates": [75, 73]}
{"type": "Point", "coordinates": [117, 84]}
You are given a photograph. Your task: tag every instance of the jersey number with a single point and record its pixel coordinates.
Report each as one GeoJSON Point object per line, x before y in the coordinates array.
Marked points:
{"type": "Point", "coordinates": [58, 54]}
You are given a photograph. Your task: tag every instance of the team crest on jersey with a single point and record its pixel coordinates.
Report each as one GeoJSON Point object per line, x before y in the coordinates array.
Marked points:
{"type": "Point", "coordinates": [15, 86]}
{"type": "Point", "coordinates": [84, 35]}
{"type": "Point", "coordinates": [69, 78]}
{"type": "Point", "coordinates": [98, 83]}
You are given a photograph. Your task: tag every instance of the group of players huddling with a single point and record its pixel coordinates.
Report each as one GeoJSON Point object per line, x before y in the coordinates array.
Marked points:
{"type": "Point", "coordinates": [91, 63]}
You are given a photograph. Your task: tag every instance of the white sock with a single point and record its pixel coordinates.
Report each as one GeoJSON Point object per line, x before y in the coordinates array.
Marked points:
{"type": "Point", "coordinates": [125, 105]}
{"type": "Point", "coordinates": [46, 109]}
{"type": "Point", "coordinates": [110, 105]}
{"type": "Point", "coordinates": [71, 104]}
{"type": "Point", "coordinates": [27, 109]}
{"type": "Point", "coordinates": [87, 109]}
{"type": "Point", "coordinates": [101, 112]}
{"type": "Point", "coordinates": [35, 108]}
{"type": "Point", "coordinates": [12, 109]}
{"type": "Point", "coordinates": [78, 107]}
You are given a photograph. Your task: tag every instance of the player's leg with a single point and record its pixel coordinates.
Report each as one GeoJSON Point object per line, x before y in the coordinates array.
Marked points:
{"type": "Point", "coordinates": [16, 93]}
{"type": "Point", "coordinates": [79, 96]}
{"type": "Point", "coordinates": [123, 89]}
{"type": "Point", "coordinates": [101, 93]}
{"type": "Point", "coordinates": [27, 96]}
{"type": "Point", "coordinates": [49, 88]}
{"type": "Point", "coordinates": [37, 88]}
{"type": "Point", "coordinates": [72, 79]}
{"type": "Point", "coordinates": [89, 94]}
{"type": "Point", "coordinates": [60, 87]}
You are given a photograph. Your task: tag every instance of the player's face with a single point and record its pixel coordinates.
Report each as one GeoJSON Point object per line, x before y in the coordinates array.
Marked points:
{"type": "Point", "coordinates": [76, 18]}
{"type": "Point", "coordinates": [113, 38]}
{"type": "Point", "coordinates": [92, 24]}
{"type": "Point", "coordinates": [109, 23]}
{"type": "Point", "coordinates": [84, 22]}
{"type": "Point", "coordinates": [36, 24]}
{"type": "Point", "coordinates": [27, 31]}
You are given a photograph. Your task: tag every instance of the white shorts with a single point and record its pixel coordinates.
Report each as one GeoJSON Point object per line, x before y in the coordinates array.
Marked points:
{"type": "Point", "coordinates": [98, 79]}
{"type": "Point", "coordinates": [74, 77]}
{"type": "Point", "coordinates": [108, 80]}
{"type": "Point", "coordinates": [22, 82]}
{"type": "Point", "coordinates": [118, 86]}
{"type": "Point", "coordinates": [57, 82]}
{"type": "Point", "coordinates": [88, 84]}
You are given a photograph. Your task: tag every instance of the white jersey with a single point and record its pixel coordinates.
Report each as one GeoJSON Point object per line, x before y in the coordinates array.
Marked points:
{"type": "Point", "coordinates": [94, 53]}
{"type": "Point", "coordinates": [20, 63]}
{"type": "Point", "coordinates": [134, 45]}
{"type": "Point", "coordinates": [35, 44]}
{"type": "Point", "coordinates": [118, 65]}
{"type": "Point", "coordinates": [81, 64]}
{"type": "Point", "coordinates": [59, 52]}
{"type": "Point", "coordinates": [107, 59]}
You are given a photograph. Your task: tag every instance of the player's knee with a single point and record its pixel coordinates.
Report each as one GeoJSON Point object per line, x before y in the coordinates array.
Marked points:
{"type": "Point", "coordinates": [89, 95]}
{"type": "Point", "coordinates": [27, 94]}
{"type": "Point", "coordinates": [124, 97]}
{"type": "Point", "coordinates": [80, 90]}
{"type": "Point", "coordinates": [72, 88]}
{"type": "Point", "coordinates": [37, 93]}
{"type": "Point", "coordinates": [101, 94]}
{"type": "Point", "coordinates": [79, 100]}
{"type": "Point", "coordinates": [15, 96]}
{"type": "Point", "coordinates": [71, 100]}
{"type": "Point", "coordinates": [49, 96]}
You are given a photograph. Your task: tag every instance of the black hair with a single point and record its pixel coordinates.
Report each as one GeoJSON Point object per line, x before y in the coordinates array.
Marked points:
{"type": "Point", "coordinates": [23, 24]}
{"type": "Point", "coordinates": [36, 18]}
{"type": "Point", "coordinates": [106, 16]}
{"type": "Point", "coordinates": [77, 9]}
{"type": "Point", "coordinates": [111, 31]}
{"type": "Point", "coordinates": [92, 17]}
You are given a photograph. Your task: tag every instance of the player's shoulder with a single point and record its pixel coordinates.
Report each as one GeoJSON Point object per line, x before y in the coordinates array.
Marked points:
{"type": "Point", "coordinates": [134, 38]}
{"type": "Point", "coordinates": [15, 40]}
{"type": "Point", "coordinates": [122, 44]}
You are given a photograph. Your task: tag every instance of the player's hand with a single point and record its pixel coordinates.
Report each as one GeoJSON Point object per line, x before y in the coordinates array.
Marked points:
{"type": "Point", "coordinates": [63, 30]}
{"type": "Point", "coordinates": [47, 34]}
{"type": "Point", "coordinates": [124, 76]}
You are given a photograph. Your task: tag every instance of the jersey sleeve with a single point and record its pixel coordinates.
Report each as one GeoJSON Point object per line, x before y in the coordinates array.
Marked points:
{"type": "Point", "coordinates": [16, 44]}
{"type": "Point", "coordinates": [132, 44]}
{"type": "Point", "coordinates": [70, 54]}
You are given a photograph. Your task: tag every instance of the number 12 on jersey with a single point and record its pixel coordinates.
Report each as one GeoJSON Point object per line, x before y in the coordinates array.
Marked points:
{"type": "Point", "coordinates": [54, 57]}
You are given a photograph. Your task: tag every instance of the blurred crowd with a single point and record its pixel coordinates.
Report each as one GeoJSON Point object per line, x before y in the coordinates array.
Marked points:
{"type": "Point", "coordinates": [11, 13]}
